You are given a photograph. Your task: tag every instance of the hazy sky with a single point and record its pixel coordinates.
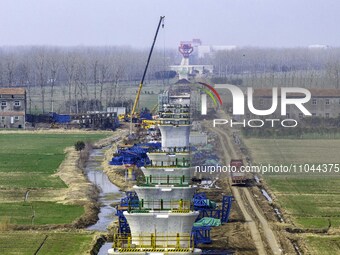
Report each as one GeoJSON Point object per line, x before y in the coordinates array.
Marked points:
{"type": "Point", "coordinates": [274, 23]}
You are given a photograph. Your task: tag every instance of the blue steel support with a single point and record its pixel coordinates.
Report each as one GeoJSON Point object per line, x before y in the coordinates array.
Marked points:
{"type": "Point", "coordinates": [124, 227]}
{"type": "Point", "coordinates": [201, 205]}
{"type": "Point", "coordinates": [226, 207]}
{"type": "Point", "coordinates": [131, 199]}
{"type": "Point", "coordinates": [200, 201]}
{"type": "Point", "coordinates": [211, 213]}
{"type": "Point", "coordinates": [201, 235]}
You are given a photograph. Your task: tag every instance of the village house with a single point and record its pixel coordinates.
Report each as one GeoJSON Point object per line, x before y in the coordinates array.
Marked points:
{"type": "Point", "coordinates": [13, 107]}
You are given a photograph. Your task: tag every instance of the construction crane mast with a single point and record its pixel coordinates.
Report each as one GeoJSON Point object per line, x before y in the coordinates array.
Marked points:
{"type": "Point", "coordinates": [133, 112]}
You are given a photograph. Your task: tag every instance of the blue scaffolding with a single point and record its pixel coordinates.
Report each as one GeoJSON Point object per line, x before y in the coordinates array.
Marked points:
{"type": "Point", "coordinates": [201, 235]}
{"type": "Point", "coordinates": [208, 208]}
{"type": "Point", "coordinates": [200, 201]}
{"type": "Point", "coordinates": [131, 199]}
{"type": "Point", "coordinates": [123, 225]}
{"type": "Point", "coordinates": [226, 208]}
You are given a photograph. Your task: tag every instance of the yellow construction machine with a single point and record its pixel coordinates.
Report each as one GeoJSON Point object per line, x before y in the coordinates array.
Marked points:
{"type": "Point", "coordinates": [133, 112]}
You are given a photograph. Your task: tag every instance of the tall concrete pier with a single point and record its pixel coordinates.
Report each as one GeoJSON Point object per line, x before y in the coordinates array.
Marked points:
{"type": "Point", "coordinates": [163, 222]}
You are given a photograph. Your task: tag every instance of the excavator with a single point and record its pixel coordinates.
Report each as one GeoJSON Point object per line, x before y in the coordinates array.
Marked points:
{"type": "Point", "coordinates": [134, 115]}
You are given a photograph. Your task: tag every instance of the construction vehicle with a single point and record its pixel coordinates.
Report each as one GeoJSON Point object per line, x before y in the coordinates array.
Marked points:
{"type": "Point", "coordinates": [237, 176]}
{"type": "Point", "coordinates": [121, 117]}
{"type": "Point", "coordinates": [146, 124]}
{"type": "Point", "coordinates": [133, 111]}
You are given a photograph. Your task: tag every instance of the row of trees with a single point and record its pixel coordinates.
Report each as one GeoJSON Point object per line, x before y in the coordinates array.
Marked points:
{"type": "Point", "coordinates": [80, 73]}
{"type": "Point", "coordinates": [76, 75]}
{"type": "Point", "coordinates": [280, 67]}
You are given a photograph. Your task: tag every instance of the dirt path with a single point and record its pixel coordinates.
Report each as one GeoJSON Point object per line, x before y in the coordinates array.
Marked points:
{"type": "Point", "coordinates": [79, 190]}
{"type": "Point", "coordinates": [256, 236]}
{"type": "Point", "coordinates": [252, 214]}
{"type": "Point", "coordinates": [269, 234]}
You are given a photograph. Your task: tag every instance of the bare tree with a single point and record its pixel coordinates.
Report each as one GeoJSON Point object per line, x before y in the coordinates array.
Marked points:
{"type": "Point", "coordinates": [104, 67]}
{"type": "Point", "coordinates": [69, 67]}
{"type": "Point", "coordinates": [1, 74]}
{"type": "Point", "coordinates": [94, 65]}
{"type": "Point", "coordinates": [41, 73]}
{"type": "Point", "coordinates": [117, 72]}
{"type": "Point", "coordinates": [9, 69]}
{"type": "Point", "coordinates": [25, 76]}
{"type": "Point", "coordinates": [53, 66]}
{"type": "Point", "coordinates": [333, 70]}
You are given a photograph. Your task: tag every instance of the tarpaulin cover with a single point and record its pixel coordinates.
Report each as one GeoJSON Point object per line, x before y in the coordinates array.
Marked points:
{"type": "Point", "coordinates": [61, 118]}
{"type": "Point", "coordinates": [207, 222]}
{"type": "Point", "coordinates": [136, 155]}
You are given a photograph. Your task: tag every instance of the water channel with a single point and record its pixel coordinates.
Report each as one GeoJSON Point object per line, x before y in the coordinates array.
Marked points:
{"type": "Point", "coordinates": [109, 193]}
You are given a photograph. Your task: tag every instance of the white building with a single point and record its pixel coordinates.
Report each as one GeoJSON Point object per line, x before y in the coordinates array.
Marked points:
{"type": "Point", "coordinates": [206, 50]}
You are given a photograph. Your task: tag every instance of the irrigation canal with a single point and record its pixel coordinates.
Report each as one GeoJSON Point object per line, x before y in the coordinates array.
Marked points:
{"type": "Point", "coordinates": [109, 193]}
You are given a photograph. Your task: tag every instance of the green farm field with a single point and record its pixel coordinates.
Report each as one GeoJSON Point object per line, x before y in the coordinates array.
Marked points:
{"type": "Point", "coordinates": [310, 200]}
{"type": "Point", "coordinates": [323, 245]}
{"type": "Point", "coordinates": [54, 243]}
{"type": "Point", "coordinates": [297, 151]}
{"type": "Point", "coordinates": [28, 161]}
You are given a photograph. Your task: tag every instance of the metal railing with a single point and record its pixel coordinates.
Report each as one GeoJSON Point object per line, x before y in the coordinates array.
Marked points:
{"type": "Point", "coordinates": [174, 122]}
{"type": "Point", "coordinates": [176, 163]}
{"type": "Point", "coordinates": [148, 181]}
{"type": "Point", "coordinates": [176, 206]}
{"type": "Point", "coordinates": [170, 150]}
{"type": "Point", "coordinates": [153, 242]}
{"type": "Point", "coordinates": [171, 115]}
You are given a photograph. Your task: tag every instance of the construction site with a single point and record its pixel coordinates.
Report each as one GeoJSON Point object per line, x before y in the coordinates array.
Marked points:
{"type": "Point", "coordinates": [180, 161]}
{"type": "Point", "coordinates": [170, 208]}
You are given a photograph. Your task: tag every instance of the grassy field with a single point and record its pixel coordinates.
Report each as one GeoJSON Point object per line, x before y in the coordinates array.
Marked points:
{"type": "Point", "coordinates": [323, 245]}
{"type": "Point", "coordinates": [287, 151]}
{"type": "Point", "coordinates": [27, 243]}
{"type": "Point", "coordinates": [44, 212]}
{"type": "Point", "coordinates": [28, 162]}
{"type": "Point", "coordinates": [311, 200]}
{"type": "Point", "coordinates": [37, 152]}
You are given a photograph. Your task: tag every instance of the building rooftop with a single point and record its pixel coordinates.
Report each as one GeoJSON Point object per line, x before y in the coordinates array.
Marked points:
{"type": "Point", "coordinates": [12, 91]}
{"type": "Point", "coordinates": [314, 92]}
{"type": "Point", "coordinates": [12, 113]}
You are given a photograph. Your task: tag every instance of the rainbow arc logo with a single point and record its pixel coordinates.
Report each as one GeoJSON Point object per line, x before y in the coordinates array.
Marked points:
{"type": "Point", "coordinates": [213, 94]}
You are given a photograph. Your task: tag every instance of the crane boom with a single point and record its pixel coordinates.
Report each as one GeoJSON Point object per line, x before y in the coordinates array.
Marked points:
{"type": "Point", "coordinates": [145, 70]}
